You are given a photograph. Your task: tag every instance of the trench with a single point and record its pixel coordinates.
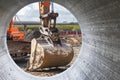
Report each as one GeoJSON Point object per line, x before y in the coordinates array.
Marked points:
{"type": "Point", "coordinates": [99, 58]}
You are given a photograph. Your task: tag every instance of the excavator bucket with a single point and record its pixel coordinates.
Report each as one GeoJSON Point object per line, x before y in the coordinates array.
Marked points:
{"type": "Point", "coordinates": [46, 56]}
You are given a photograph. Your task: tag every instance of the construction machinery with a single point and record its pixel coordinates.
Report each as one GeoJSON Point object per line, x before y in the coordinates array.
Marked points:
{"type": "Point", "coordinates": [13, 33]}
{"type": "Point", "coordinates": [48, 50]}
{"type": "Point", "coordinates": [48, 31]}
{"type": "Point", "coordinates": [16, 37]}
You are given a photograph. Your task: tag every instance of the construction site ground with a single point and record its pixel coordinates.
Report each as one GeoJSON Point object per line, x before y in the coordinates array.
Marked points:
{"type": "Point", "coordinates": [17, 47]}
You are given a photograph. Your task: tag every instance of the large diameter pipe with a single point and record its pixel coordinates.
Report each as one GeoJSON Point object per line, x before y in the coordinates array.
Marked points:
{"type": "Point", "coordinates": [99, 58]}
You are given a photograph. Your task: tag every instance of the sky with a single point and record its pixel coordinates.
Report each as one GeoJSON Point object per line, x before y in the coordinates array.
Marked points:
{"type": "Point", "coordinates": [31, 13]}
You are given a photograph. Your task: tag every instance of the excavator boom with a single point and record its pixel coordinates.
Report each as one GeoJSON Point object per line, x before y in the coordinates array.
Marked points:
{"type": "Point", "coordinates": [13, 33]}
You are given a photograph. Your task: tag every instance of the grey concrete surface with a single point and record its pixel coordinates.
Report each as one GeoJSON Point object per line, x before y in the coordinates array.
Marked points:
{"type": "Point", "coordinates": [99, 58]}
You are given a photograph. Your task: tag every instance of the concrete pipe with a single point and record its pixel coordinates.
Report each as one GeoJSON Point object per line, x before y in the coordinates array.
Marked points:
{"type": "Point", "coordinates": [99, 58]}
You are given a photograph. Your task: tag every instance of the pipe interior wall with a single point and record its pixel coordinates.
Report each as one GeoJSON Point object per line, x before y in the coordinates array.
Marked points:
{"type": "Point", "coordinates": [99, 58]}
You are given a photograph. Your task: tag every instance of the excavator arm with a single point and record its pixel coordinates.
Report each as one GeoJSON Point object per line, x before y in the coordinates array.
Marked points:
{"type": "Point", "coordinates": [13, 32]}
{"type": "Point", "coordinates": [47, 29]}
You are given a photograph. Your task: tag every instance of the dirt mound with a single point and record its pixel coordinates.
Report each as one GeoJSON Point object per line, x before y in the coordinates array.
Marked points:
{"type": "Point", "coordinates": [73, 41]}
